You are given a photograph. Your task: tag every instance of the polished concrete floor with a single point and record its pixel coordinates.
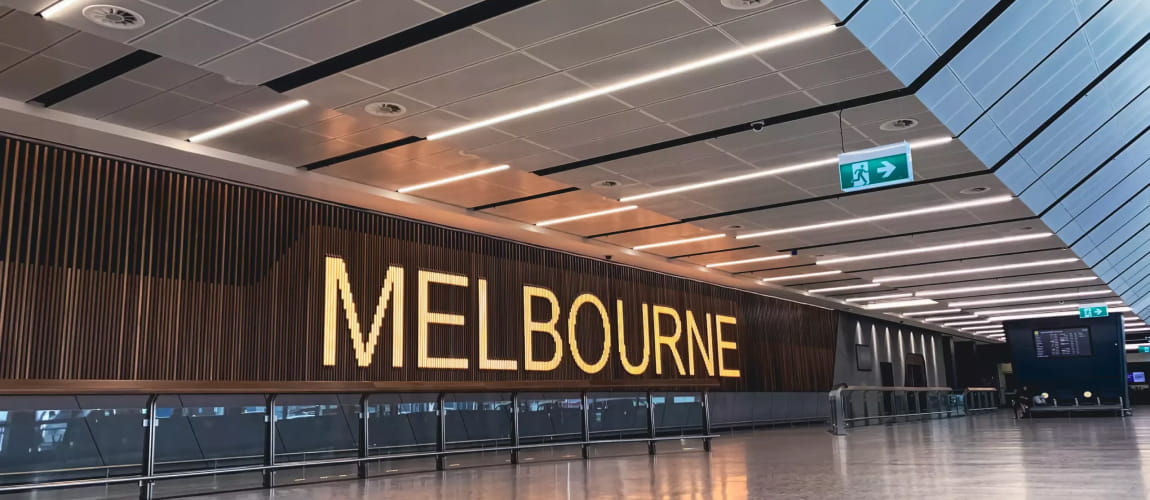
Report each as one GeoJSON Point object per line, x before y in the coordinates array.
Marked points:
{"type": "Point", "coordinates": [987, 456]}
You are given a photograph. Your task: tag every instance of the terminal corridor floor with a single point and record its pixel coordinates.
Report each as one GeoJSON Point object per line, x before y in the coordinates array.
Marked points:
{"type": "Point", "coordinates": [987, 456]}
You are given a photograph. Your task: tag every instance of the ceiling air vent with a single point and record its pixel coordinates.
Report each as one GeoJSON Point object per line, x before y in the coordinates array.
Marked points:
{"type": "Point", "coordinates": [744, 4]}
{"type": "Point", "coordinates": [384, 109]}
{"type": "Point", "coordinates": [111, 16]}
{"type": "Point", "coordinates": [899, 124]}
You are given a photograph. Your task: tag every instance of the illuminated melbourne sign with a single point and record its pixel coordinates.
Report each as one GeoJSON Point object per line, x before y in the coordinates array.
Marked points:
{"type": "Point", "coordinates": [670, 341]}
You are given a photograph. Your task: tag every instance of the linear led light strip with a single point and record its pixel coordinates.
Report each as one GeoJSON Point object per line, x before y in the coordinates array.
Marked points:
{"type": "Point", "coordinates": [1136, 346]}
{"type": "Point", "coordinates": [748, 261]}
{"type": "Point", "coordinates": [561, 220]}
{"type": "Point", "coordinates": [1028, 298]}
{"type": "Point", "coordinates": [968, 323]}
{"type": "Point", "coordinates": [448, 180]}
{"type": "Point", "coordinates": [983, 327]}
{"type": "Point", "coordinates": [1037, 308]}
{"type": "Point", "coordinates": [1004, 286]}
{"type": "Point", "coordinates": [249, 121]}
{"type": "Point", "coordinates": [841, 288]}
{"type": "Point", "coordinates": [800, 276]}
{"type": "Point", "coordinates": [936, 248]}
{"type": "Point", "coordinates": [950, 318]}
{"type": "Point", "coordinates": [1139, 329]}
{"type": "Point", "coordinates": [764, 173]}
{"type": "Point", "coordinates": [972, 270]}
{"type": "Point", "coordinates": [887, 216]}
{"type": "Point", "coordinates": [927, 313]}
{"type": "Point", "coordinates": [880, 297]}
{"type": "Point", "coordinates": [1050, 314]}
{"type": "Point", "coordinates": [678, 242]}
{"type": "Point", "coordinates": [56, 8]}
{"type": "Point", "coordinates": [640, 80]}
{"type": "Point", "coordinates": [898, 304]}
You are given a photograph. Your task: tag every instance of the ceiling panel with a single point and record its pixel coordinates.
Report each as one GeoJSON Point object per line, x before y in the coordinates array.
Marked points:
{"type": "Point", "coordinates": [255, 19]}
{"type": "Point", "coordinates": [256, 63]}
{"type": "Point", "coordinates": [551, 18]}
{"type": "Point", "coordinates": [350, 26]}
{"type": "Point", "coordinates": [477, 79]}
{"type": "Point", "coordinates": [434, 57]}
{"type": "Point", "coordinates": [154, 18]}
{"type": "Point", "coordinates": [29, 32]}
{"type": "Point", "coordinates": [36, 75]}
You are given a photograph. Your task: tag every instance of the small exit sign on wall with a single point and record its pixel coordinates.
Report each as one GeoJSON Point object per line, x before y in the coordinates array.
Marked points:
{"type": "Point", "coordinates": [1093, 311]}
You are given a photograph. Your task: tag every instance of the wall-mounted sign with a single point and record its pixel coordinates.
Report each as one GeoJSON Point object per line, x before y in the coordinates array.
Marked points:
{"type": "Point", "coordinates": [874, 167]}
{"type": "Point", "coordinates": [1093, 311]}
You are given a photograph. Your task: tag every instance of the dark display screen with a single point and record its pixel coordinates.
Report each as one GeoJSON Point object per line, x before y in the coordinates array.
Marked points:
{"type": "Point", "coordinates": [1062, 343]}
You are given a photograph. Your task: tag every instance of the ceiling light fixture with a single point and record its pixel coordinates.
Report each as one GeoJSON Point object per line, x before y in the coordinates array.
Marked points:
{"type": "Point", "coordinates": [967, 323]}
{"type": "Point", "coordinates": [1050, 314]}
{"type": "Point", "coordinates": [1004, 286]}
{"type": "Point", "coordinates": [936, 248]}
{"type": "Point", "coordinates": [887, 216]}
{"type": "Point", "coordinates": [950, 318]}
{"type": "Point", "coordinates": [898, 304]}
{"type": "Point", "coordinates": [647, 78]}
{"type": "Point", "coordinates": [1139, 329]}
{"type": "Point", "coordinates": [841, 288]}
{"type": "Point", "coordinates": [1134, 347]}
{"type": "Point", "coordinates": [249, 121]}
{"type": "Point", "coordinates": [748, 261]}
{"type": "Point", "coordinates": [972, 270]}
{"type": "Point", "coordinates": [803, 275]}
{"type": "Point", "coordinates": [764, 173]}
{"type": "Point", "coordinates": [678, 242]}
{"type": "Point", "coordinates": [1029, 298]}
{"type": "Point", "coordinates": [1037, 308]}
{"type": "Point", "coordinates": [927, 313]}
{"type": "Point", "coordinates": [983, 327]}
{"type": "Point", "coordinates": [56, 8]}
{"type": "Point", "coordinates": [449, 180]}
{"type": "Point", "coordinates": [879, 297]}
{"type": "Point", "coordinates": [561, 220]}
{"type": "Point", "coordinates": [1134, 324]}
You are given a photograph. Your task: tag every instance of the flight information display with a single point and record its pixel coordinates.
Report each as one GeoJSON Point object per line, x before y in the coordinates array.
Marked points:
{"type": "Point", "coordinates": [1062, 343]}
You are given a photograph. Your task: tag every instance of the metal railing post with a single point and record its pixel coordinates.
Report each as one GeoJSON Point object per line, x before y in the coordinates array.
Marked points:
{"type": "Point", "coordinates": [148, 464]}
{"type": "Point", "coordinates": [650, 423]}
{"type": "Point", "coordinates": [586, 411]}
{"type": "Point", "coordinates": [838, 410]}
{"type": "Point", "coordinates": [706, 420]}
{"type": "Point", "coordinates": [364, 435]}
{"type": "Point", "coordinates": [441, 433]}
{"type": "Point", "coordinates": [515, 428]}
{"type": "Point", "coordinates": [269, 475]}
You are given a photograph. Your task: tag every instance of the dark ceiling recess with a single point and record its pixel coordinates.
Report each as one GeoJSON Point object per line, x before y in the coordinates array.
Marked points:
{"type": "Point", "coordinates": [95, 77]}
{"type": "Point", "coordinates": [435, 28]}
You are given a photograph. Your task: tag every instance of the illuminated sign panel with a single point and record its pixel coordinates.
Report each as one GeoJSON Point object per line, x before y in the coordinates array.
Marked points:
{"type": "Point", "coordinates": [667, 335]}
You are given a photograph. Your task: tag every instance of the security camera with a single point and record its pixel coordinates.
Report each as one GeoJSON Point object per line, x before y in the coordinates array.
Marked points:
{"type": "Point", "coordinates": [758, 126]}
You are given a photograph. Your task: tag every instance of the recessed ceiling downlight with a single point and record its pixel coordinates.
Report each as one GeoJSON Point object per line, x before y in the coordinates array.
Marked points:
{"type": "Point", "coordinates": [744, 4]}
{"type": "Point", "coordinates": [975, 190]}
{"type": "Point", "coordinates": [384, 109]}
{"type": "Point", "coordinates": [111, 16]}
{"type": "Point", "coordinates": [605, 184]}
{"type": "Point", "coordinates": [899, 124]}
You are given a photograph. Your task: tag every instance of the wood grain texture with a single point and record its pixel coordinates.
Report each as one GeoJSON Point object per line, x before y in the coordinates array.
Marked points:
{"type": "Point", "coordinates": [122, 276]}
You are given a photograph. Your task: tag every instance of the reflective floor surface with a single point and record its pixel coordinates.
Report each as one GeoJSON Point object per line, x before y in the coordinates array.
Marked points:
{"type": "Point", "coordinates": [988, 456]}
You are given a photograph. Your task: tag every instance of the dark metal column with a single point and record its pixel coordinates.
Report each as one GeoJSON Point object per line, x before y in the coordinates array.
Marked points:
{"type": "Point", "coordinates": [515, 428]}
{"type": "Point", "coordinates": [706, 420]}
{"type": "Point", "coordinates": [148, 464]}
{"type": "Point", "coordinates": [441, 433]}
{"type": "Point", "coordinates": [270, 441]}
{"type": "Point", "coordinates": [586, 426]}
{"type": "Point", "coordinates": [364, 435]}
{"type": "Point", "coordinates": [650, 424]}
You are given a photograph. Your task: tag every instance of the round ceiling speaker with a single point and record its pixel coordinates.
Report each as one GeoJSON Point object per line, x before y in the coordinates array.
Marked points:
{"type": "Point", "coordinates": [111, 16]}
{"type": "Point", "coordinates": [899, 124]}
{"type": "Point", "coordinates": [384, 109]}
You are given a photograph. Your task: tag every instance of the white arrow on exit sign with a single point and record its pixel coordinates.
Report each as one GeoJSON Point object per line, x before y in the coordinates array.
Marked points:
{"type": "Point", "coordinates": [886, 169]}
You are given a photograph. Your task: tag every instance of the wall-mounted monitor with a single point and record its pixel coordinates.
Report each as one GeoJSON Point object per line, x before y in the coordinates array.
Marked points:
{"type": "Point", "coordinates": [1136, 377]}
{"type": "Point", "coordinates": [1062, 342]}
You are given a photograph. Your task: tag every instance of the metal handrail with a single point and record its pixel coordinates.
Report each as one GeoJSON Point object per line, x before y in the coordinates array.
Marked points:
{"type": "Point", "coordinates": [839, 421]}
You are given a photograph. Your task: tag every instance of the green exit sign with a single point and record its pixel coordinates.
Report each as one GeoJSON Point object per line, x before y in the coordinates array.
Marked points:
{"type": "Point", "coordinates": [1093, 311]}
{"type": "Point", "coordinates": [874, 167]}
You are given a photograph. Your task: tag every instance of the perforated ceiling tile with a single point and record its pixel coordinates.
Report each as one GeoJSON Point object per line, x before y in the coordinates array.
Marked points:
{"type": "Point", "coordinates": [164, 74]}
{"type": "Point", "coordinates": [36, 75]}
{"type": "Point", "coordinates": [183, 6]}
{"type": "Point", "coordinates": [211, 88]}
{"type": "Point", "coordinates": [161, 108]}
{"type": "Point", "coordinates": [172, 41]}
{"type": "Point", "coordinates": [10, 56]}
{"type": "Point", "coordinates": [835, 69]}
{"type": "Point", "coordinates": [350, 26]}
{"type": "Point", "coordinates": [551, 18]}
{"type": "Point", "coordinates": [256, 63]}
{"type": "Point", "coordinates": [257, 18]}
{"type": "Point", "coordinates": [743, 93]}
{"type": "Point", "coordinates": [659, 23]}
{"type": "Point", "coordinates": [86, 50]}
{"type": "Point", "coordinates": [431, 58]}
{"type": "Point", "coordinates": [29, 6]}
{"type": "Point", "coordinates": [108, 97]}
{"type": "Point", "coordinates": [29, 32]}
{"type": "Point", "coordinates": [335, 91]}
{"type": "Point", "coordinates": [478, 79]}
